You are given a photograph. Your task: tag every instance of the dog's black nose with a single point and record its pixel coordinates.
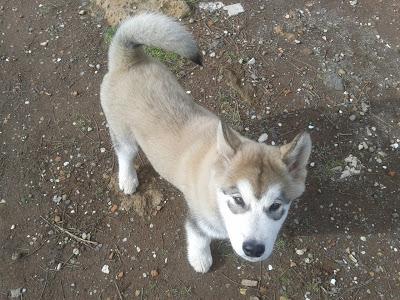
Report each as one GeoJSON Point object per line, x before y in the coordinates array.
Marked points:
{"type": "Point", "coordinates": [253, 249]}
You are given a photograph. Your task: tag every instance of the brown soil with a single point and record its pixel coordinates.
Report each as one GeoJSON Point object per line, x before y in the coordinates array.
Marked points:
{"type": "Point", "coordinates": [329, 66]}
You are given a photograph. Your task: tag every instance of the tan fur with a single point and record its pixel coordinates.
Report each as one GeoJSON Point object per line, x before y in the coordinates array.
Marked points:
{"type": "Point", "coordinates": [186, 144]}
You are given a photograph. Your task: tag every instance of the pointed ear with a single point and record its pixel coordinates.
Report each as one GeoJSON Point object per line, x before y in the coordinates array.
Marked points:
{"type": "Point", "coordinates": [296, 154]}
{"type": "Point", "coordinates": [227, 141]}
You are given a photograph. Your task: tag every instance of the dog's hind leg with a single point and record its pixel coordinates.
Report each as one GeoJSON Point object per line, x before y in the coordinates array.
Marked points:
{"type": "Point", "coordinates": [126, 149]}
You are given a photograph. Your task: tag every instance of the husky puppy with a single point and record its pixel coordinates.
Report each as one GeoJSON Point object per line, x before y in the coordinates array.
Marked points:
{"type": "Point", "coordinates": [235, 188]}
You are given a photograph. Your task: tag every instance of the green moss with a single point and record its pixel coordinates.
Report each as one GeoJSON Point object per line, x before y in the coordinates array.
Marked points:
{"type": "Point", "coordinates": [162, 55]}
{"type": "Point", "coordinates": [109, 34]}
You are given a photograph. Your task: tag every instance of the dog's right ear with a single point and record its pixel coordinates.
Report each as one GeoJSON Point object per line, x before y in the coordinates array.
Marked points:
{"type": "Point", "coordinates": [227, 141]}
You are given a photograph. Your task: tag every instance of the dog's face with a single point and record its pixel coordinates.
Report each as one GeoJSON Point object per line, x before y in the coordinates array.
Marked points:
{"type": "Point", "coordinates": [256, 185]}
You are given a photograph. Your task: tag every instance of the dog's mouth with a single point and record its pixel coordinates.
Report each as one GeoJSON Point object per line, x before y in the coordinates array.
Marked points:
{"type": "Point", "coordinates": [253, 259]}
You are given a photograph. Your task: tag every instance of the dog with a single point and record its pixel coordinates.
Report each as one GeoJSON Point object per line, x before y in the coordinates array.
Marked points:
{"type": "Point", "coordinates": [235, 188]}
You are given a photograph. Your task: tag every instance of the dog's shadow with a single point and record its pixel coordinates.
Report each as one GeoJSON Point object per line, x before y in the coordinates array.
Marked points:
{"type": "Point", "coordinates": [365, 203]}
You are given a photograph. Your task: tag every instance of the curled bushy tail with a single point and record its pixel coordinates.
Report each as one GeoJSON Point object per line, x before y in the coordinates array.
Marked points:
{"type": "Point", "coordinates": [149, 29]}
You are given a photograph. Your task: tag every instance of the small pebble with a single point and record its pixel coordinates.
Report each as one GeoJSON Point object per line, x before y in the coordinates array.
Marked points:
{"type": "Point", "coordinates": [300, 251]}
{"type": "Point", "coordinates": [248, 282]}
{"type": "Point", "coordinates": [263, 138]}
{"type": "Point", "coordinates": [105, 269]}
{"type": "Point", "coordinates": [114, 208]}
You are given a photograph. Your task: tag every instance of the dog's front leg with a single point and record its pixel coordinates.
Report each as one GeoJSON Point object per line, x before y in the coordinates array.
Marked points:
{"type": "Point", "coordinates": [198, 247]}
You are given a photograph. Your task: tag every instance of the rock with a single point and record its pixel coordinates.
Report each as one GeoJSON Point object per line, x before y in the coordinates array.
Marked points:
{"type": "Point", "coordinates": [57, 219]}
{"type": "Point", "coordinates": [352, 117]}
{"type": "Point", "coordinates": [211, 6]}
{"type": "Point", "coordinates": [300, 251]}
{"type": "Point", "coordinates": [117, 10]}
{"type": "Point", "coordinates": [57, 199]}
{"type": "Point", "coordinates": [154, 273]}
{"type": "Point", "coordinates": [234, 9]}
{"type": "Point", "coordinates": [105, 269]}
{"type": "Point", "coordinates": [252, 61]}
{"type": "Point", "coordinates": [364, 107]}
{"type": "Point", "coordinates": [114, 208]}
{"type": "Point", "coordinates": [248, 282]}
{"type": "Point", "coordinates": [120, 275]}
{"type": "Point", "coordinates": [16, 255]}
{"type": "Point", "coordinates": [263, 138]}
{"type": "Point", "coordinates": [333, 81]}
{"type": "Point", "coordinates": [17, 293]}
{"type": "Point", "coordinates": [75, 251]}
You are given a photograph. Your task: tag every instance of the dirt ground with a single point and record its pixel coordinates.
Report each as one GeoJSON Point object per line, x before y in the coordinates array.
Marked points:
{"type": "Point", "coordinates": [275, 69]}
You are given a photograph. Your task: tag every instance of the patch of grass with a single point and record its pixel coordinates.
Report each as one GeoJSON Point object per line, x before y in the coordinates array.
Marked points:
{"type": "Point", "coordinates": [192, 3]}
{"type": "Point", "coordinates": [162, 55]}
{"type": "Point", "coordinates": [280, 244]}
{"type": "Point", "coordinates": [232, 56]}
{"type": "Point", "coordinates": [152, 287]}
{"type": "Point", "coordinates": [109, 34]}
{"type": "Point", "coordinates": [225, 249]}
{"type": "Point", "coordinates": [172, 60]}
{"type": "Point", "coordinates": [182, 291]}
{"type": "Point", "coordinates": [324, 170]}
{"type": "Point", "coordinates": [24, 200]}
{"type": "Point", "coordinates": [285, 280]}
{"type": "Point", "coordinates": [230, 111]}
{"type": "Point", "coordinates": [312, 287]}
{"type": "Point", "coordinates": [82, 122]}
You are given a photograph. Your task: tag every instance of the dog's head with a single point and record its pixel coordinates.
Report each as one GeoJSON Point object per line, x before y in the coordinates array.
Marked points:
{"type": "Point", "coordinates": [256, 185]}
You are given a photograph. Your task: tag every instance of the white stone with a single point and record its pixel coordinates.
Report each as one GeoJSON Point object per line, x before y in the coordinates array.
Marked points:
{"type": "Point", "coordinates": [105, 269]}
{"type": "Point", "coordinates": [263, 138]}
{"type": "Point", "coordinates": [234, 9]}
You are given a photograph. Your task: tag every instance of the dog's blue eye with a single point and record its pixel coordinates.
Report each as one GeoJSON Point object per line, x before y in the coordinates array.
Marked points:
{"type": "Point", "coordinates": [238, 200]}
{"type": "Point", "coordinates": [274, 207]}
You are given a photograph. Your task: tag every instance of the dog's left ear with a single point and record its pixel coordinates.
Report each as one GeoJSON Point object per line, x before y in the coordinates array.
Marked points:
{"type": "Point", "coordinates": [296, 154]}
{"type": "Point", "coordinates": [227, 141]}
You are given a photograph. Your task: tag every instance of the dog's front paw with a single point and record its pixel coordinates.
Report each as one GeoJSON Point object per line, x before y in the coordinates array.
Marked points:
{"type": "Point", "coordinates": [201, 261]}
{"type": "Point", "coordinates": [128, 184]}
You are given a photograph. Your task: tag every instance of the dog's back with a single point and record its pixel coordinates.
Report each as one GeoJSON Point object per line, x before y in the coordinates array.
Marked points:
{"type": "Point", "coordinates": [142, 100]}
